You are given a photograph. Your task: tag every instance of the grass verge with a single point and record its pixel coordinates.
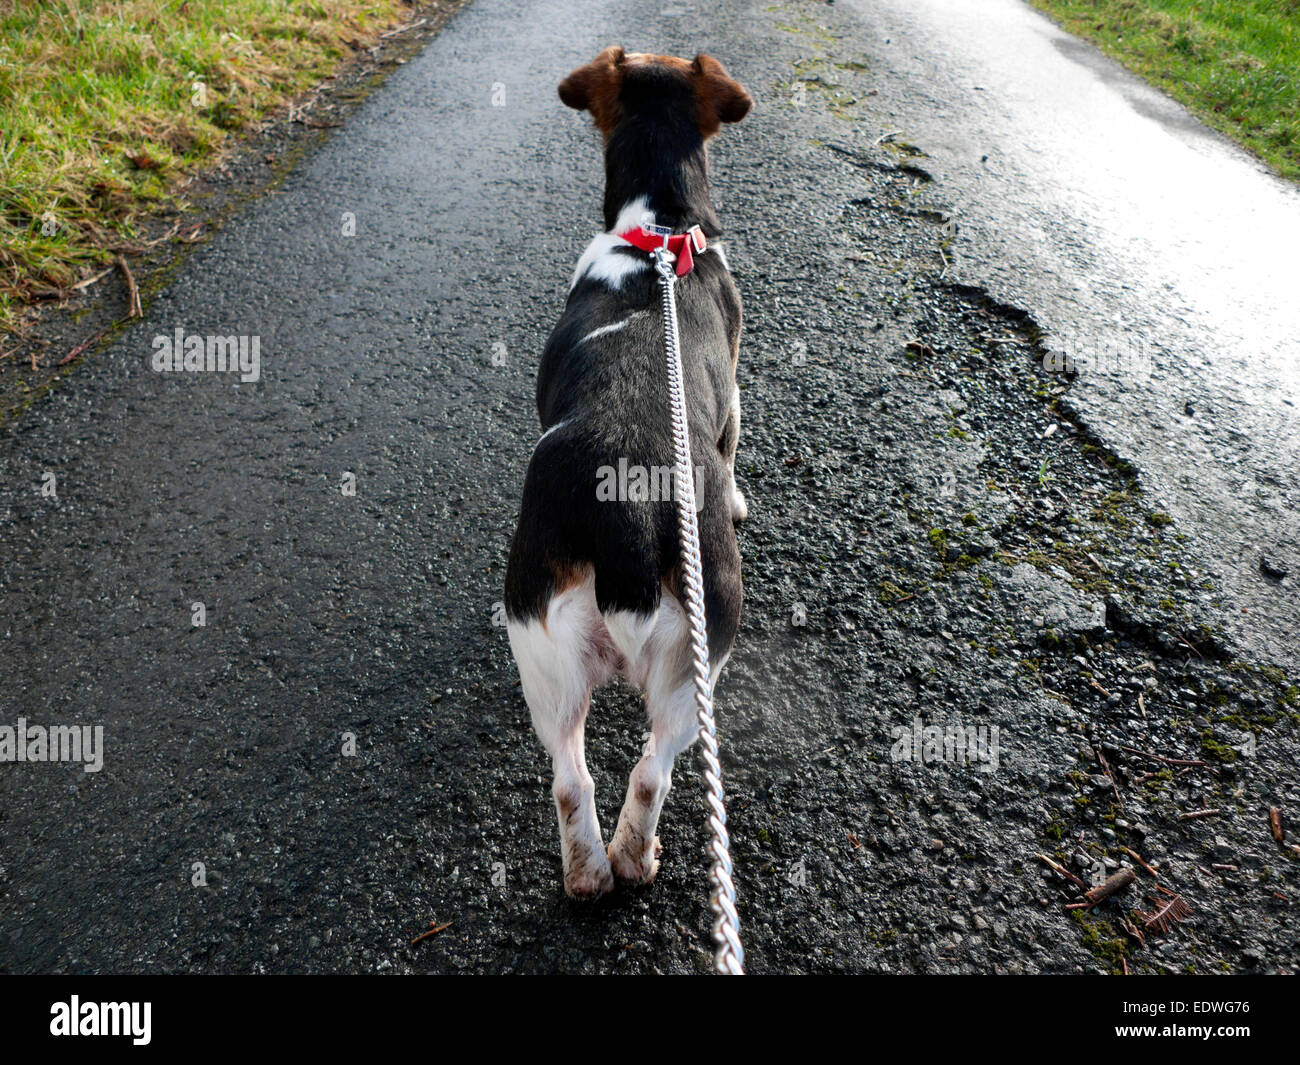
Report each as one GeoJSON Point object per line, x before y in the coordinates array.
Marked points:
{"type": "Point", "coordinates": [1235, 63]}
{"type": "Point", "coordinates": [106, 106]}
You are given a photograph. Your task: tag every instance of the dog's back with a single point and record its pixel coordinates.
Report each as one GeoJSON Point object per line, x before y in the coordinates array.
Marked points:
{"type": "Point", "coordinates": [603, 393]}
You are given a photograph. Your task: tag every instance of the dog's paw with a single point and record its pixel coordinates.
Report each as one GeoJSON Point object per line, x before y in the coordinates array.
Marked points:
{"type": "Point", "coordinates": [589, 881]}
{"type": "Point", "coordinates": [635, 866]}
{"type": "Point", "coordinates": [739, 508]}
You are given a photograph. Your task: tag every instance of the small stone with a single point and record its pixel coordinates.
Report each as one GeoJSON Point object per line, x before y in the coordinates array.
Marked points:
{"type": "Point", "coordinates": [1272, 567]}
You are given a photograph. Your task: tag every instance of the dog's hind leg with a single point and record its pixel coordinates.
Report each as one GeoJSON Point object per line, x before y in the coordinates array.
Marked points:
{"type": "Point", "coordinates": [670, 704]}
{"type": "Point", "coordinates": [559, 663]}
{"type": "Point", "coordinates": [634, 850]}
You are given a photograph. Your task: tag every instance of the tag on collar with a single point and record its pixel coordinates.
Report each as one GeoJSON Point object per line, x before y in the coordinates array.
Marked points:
{"type": "Point", "coordinates": [684, 246]}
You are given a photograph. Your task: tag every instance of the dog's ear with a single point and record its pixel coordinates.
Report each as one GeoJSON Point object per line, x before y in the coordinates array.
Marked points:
{"type": "Point", "coordinates": [720, 98]}
{"type": "Point", "coordinates": [595, 87]}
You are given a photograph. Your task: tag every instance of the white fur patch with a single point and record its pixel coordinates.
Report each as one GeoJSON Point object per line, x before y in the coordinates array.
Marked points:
{"type": "Point", "coordinates": [556, 666]}
{"type": "Point", "coordinates": [557, 425]}
{"type": "Point", "coordinates": [655, 647]}
{"type": "Point", "coordinates": [605, 330]}
{"type": "Point", "coordinates": [601, 263]}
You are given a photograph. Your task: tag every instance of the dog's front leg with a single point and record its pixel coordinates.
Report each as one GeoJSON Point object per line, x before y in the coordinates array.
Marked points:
{"type": "Point", "coordinates": [727, 445]}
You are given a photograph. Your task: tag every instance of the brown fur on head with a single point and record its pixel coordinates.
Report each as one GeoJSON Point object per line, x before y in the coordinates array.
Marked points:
{"type": "Point", "coordinates": [598, 86]}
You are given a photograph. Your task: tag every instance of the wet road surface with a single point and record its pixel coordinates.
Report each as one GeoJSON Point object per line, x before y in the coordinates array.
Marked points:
{"type": "Point", "coordinates": [340, 755]}
{"type": "Point", "coordinates": [1155, 255]}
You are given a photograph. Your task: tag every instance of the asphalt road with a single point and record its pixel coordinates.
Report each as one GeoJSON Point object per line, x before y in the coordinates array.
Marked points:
{"type": "Point", "coordinates": [233, 828]}
{"type": "Point", "coordinates": [1154, 254]}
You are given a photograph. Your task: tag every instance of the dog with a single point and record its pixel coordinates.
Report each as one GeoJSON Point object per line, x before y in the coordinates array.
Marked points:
{"type": "Point", "coordinates": [593, 584]}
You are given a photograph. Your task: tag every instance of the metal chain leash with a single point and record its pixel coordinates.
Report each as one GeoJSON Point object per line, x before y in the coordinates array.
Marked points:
{"type": "Point", "coordinates": [729, 955]}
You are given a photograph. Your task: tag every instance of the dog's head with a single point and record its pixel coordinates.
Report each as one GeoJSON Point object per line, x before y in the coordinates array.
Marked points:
{"type": "Point", "coordinates": [617, 85]}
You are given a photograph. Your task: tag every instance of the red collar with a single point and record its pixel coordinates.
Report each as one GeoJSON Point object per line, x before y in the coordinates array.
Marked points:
{"type": "Point", "coordinates": [683, 245]}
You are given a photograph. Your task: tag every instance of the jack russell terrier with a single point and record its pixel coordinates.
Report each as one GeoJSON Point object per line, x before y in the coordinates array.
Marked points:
{"type": "Point", "coordinates": [593, 586]}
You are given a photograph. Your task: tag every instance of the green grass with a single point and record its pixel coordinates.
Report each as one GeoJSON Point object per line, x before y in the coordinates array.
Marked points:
{"type": "Point", "coordinates": [106, 105]}
{"type": "Point", "coordinates": [1236, 63]}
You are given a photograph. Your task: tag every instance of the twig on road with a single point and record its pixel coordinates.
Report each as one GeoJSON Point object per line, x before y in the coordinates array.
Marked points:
{"type": "Point", "coordinates": [1196, 815]}
{"type": "Point", "coordinates": [1105, 768]}
{"type": "Point", "coordinates": [433, 931]}
{"type": "Point", "coordinates": [1142, 862]}
{"type": "Point", "coordinates": [1132, 930]}
{"type": "Point", "coordinates": [1055, 867]}
{"type": "Point", "coordinates": [1112, 885]}
{"type": "Point", "coordinates": [133, 308]}
{"type": "Point", "coordinates": [82, 346]}
{"type": "Point", "coordinates": [1162, 758]}
{"type": "Point", "coordinates": [90, 280]}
